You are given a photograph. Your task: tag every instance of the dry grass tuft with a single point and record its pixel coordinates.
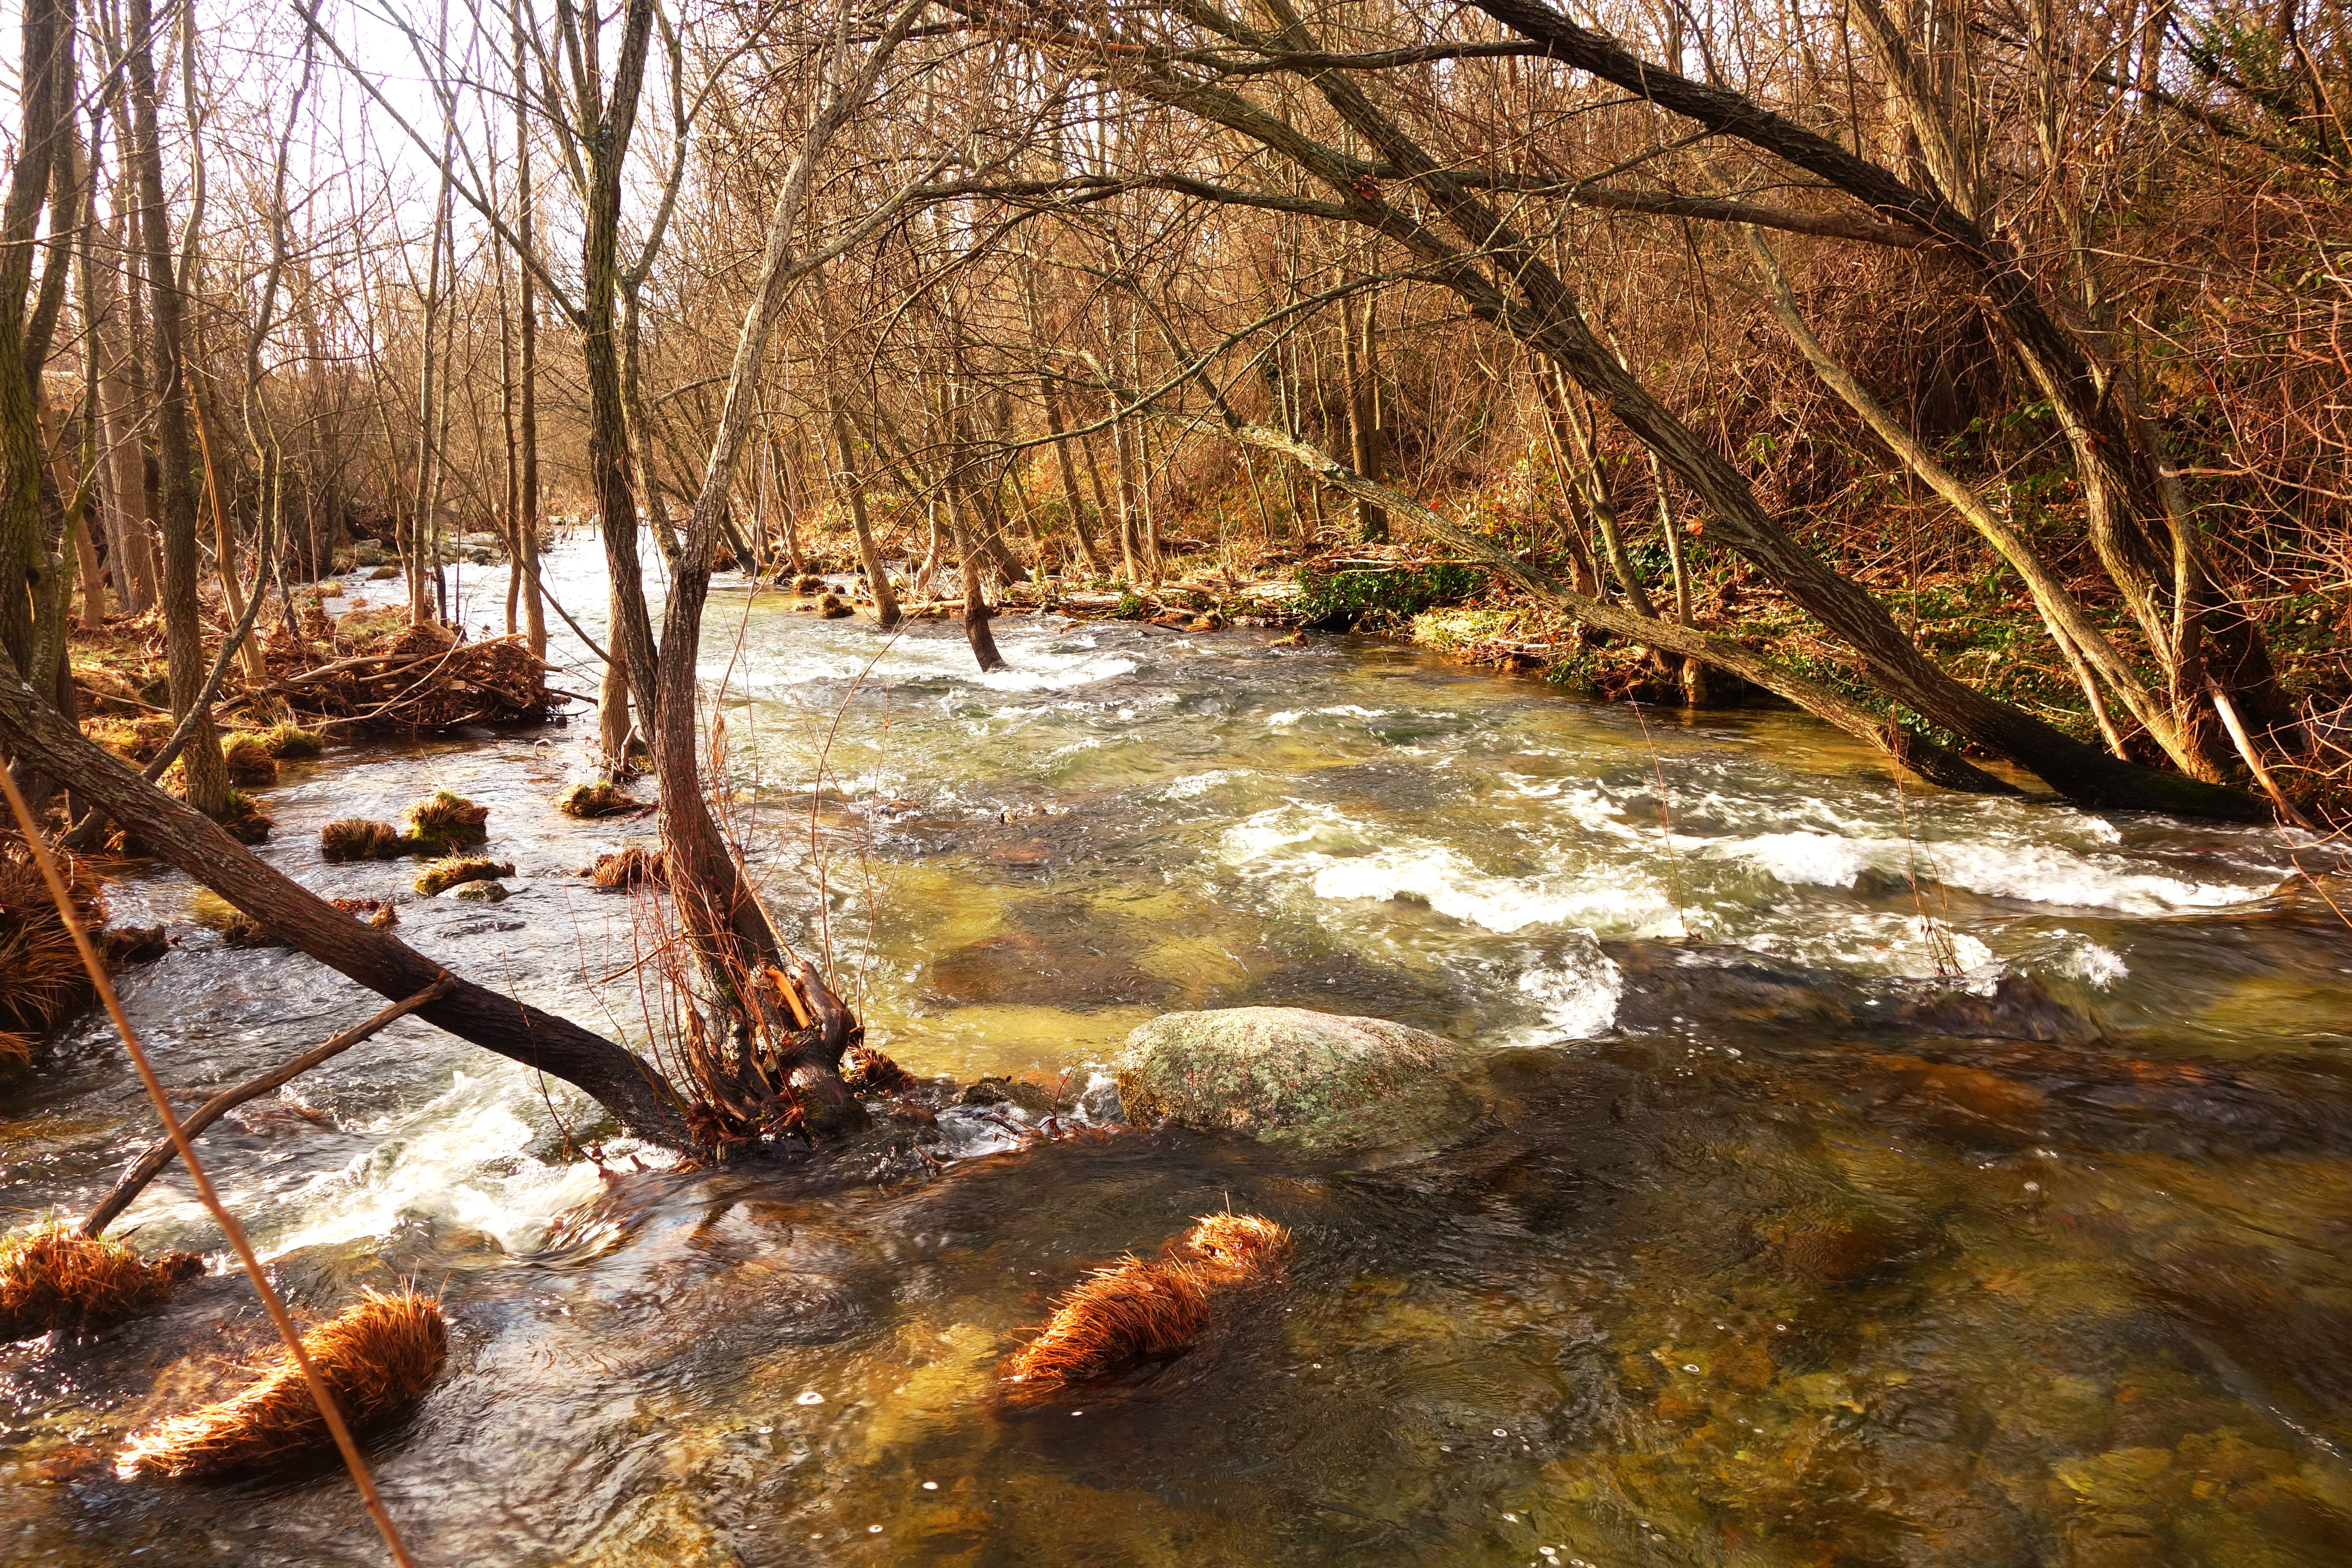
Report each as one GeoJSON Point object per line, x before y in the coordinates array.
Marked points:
{"type": "Point", "coordinates": [596, 800]}
{"type": "Point", "coordinates": [1240, 1243]}
{"type": "Point", "coordinates": [248, 759]}
{"type": "Point", "coordinates": [377, 1358]}
{"type": "Point", "coordinates": [376, 912]}
{"type": "Point", "coordinates": [357, 839]}
{"type": "Point", "coordinates": [283, 740]}
{"type": "Point", "coordinates": [247, 820]}
{"type": "Point", "coordinates": [1137, 1308]}
{"type": "Point", "coordinates": [57, 1277]}
{"type": "Point", "coordinates": [868, 1072]}
{"type": "Point", "coordinates": [127, 945]}
{"type": "Point", "coordinates": [447, 820]}
{"type": "Point", "coordinates": [42, 982]}
{"type": "Point", "coordinates": [1114, 1317]}
{"type": "Point", "coordinates": [439, 876]}
{"type": "Point", "coordinates": [632, 867]}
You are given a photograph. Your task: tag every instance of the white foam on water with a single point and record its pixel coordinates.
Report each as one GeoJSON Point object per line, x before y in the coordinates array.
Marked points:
{"type": "Point", "coordinates": [2004, 869]}
{"type": "Point", "coordinates": [1036, 661]}
{"type": "Point", "coordinates": [461, 1158]}
{"type": "Point", "coordinates": [2041, 874]}
{"type": "Point", "coordinates": [1345, 710]}
{"type": "Point", "coordinates": [1578, 998]}
{"type": "Point", "coordinates": [2100, 966]}
{"type": "Point", "coordinates": [1318, 846]}
{"type": "Point", "coordinates": [1199, 784]}
{"type": "Point", "coordinates": [1805, 858]}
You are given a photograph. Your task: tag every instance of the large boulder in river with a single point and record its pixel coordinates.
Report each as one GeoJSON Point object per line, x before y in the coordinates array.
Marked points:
{"type": "Point", "coordinates": [1289, 1075]}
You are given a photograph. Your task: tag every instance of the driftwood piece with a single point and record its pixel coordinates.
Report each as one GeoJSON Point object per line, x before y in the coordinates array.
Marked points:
{"type": "Point", "coordinates": [158, 1154]}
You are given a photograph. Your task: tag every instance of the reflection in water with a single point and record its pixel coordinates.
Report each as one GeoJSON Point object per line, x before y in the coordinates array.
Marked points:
{"type": "Point", "coordinates": [1763, 1255]}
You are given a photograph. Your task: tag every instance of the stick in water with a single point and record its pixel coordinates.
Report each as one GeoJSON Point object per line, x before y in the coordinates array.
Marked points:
{"type": "Point", "coordinates": [158, 1154]}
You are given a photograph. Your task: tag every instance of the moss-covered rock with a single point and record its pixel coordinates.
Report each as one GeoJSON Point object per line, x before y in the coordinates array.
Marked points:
{"type": "Point", "coordinates": [1289, 1075]}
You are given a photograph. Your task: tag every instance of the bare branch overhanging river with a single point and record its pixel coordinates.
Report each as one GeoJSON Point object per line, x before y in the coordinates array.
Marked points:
{"type": "Point", "coordinates": [1760, 1256]}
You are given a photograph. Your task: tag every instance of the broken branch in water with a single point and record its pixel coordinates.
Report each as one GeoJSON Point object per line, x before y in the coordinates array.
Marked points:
{"type": "Point", "coordinates": [158, 1154]}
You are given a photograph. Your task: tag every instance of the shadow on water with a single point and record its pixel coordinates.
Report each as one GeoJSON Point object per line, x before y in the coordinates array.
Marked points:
{"type": "Point", "coordinates": [1771, 1247]}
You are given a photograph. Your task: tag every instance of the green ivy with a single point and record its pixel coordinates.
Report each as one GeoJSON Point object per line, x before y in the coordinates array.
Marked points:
{"type": "Point", "coordinates": [1384, 596]}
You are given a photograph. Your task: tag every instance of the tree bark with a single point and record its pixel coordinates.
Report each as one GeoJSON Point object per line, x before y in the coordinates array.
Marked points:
{"type": "Point", "coordinates": [615, 1077]}
{"type": "Point", "coordinates": [207, 776]}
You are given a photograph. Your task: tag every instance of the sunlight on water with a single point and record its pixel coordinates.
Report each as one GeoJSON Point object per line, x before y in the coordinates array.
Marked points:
{"type": "Point", "coordinates": [1761, 1253]}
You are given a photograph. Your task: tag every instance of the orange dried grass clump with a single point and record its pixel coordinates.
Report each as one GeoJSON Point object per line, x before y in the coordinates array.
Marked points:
{"type": "Point", "coordinates": [376, 912]}
{"type": "Point", "coordinates": [249, 761]}
{"type": "Point", "coordinates": [57, 1277]}
{"type": "Point", "coordinates": [628, 869]}
{"type": "Point", "coordinates": [42, 982]}
{"type": "Point", "coordinates": [377, 1358]}
{"type": "Point", "coordinates": [448, 820]}
{"type": "Point", "coordinates": [357, 839]}
{"type": "Point", "coordinates": [1139, 1308]}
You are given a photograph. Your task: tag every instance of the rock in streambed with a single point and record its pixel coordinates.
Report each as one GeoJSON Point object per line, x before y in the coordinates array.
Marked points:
{"type": "Point", "coordinates": [1289, 1075]}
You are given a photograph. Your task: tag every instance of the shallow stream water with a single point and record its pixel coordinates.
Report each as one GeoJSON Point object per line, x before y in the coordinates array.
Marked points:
{"type": "Point", "coordinates": [1791, 1236]}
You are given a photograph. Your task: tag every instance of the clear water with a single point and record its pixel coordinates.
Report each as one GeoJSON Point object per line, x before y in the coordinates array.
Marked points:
{"type": "Point", "coordinates": [1743, 1268]}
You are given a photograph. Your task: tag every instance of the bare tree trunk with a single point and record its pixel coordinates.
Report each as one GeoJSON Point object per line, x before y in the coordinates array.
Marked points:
{"type": "Point", "coordinates": [207, 776]}
{"type": "Point", "coordinates": [1363, 428]}
{"type": "Point", "coordinates": [845, 479]}
{"type": "Point", "coordinates": [122, 482]}
{"type": "Point", "coordinates": [1070, 499]}
{"type": "Point", "coordinates": [534, 610]}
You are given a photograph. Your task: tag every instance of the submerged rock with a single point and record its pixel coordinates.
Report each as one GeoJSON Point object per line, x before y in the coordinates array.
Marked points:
{"type": "Point", "coordinates": [1289, 1075]}
{"type": "Point", "coordinates": [479, 892]}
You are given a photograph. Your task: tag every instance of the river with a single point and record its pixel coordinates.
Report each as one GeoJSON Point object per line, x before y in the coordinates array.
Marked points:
{"type": "Point", "coordinates": [1764, 1256]}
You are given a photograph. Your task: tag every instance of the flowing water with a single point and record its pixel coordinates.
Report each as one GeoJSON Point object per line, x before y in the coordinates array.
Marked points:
{"type": "Point", "coordinates": [1791, 1236]}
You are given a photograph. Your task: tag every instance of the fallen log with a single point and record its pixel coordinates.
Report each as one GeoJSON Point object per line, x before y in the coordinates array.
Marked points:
{"type": "Point", "coordinates": [158, 1154]}
{"type": "Point", "coordinates": [620, 1081]}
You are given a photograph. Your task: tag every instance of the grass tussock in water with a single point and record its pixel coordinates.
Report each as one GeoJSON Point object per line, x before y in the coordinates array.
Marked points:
{"type": "Point", "coordinates": [635, 866]}
{"type": "Point", "coordinates": [377, 1359]}
{"type": "Point", "coordinates": [250, 760]}
{"type": "Point", "coordinates": [283, 740]}
{"type": "Point", "coordinates": [439, 876]}
{"type": "Point", "coordinates": [1138, 1308]}
{"type": "Point", "coordinates": [594, 800]}
{"type": "Point", "coordinates": [447, 820]}
{"type": "Point", "coordinates": [357, 839]}
{"type": "Point", "coordinates": [42, 982]}
{"type": "Point", "coordinates": [376, 912]}
{"type": "Point", "coordinates": [57, 1277]}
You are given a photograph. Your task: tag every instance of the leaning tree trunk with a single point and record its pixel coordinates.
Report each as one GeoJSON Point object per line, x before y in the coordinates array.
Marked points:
{"type": "Point", "coordinates": [623, 1083]}
{"type": "Point", "coordinates": [1503, 280]}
